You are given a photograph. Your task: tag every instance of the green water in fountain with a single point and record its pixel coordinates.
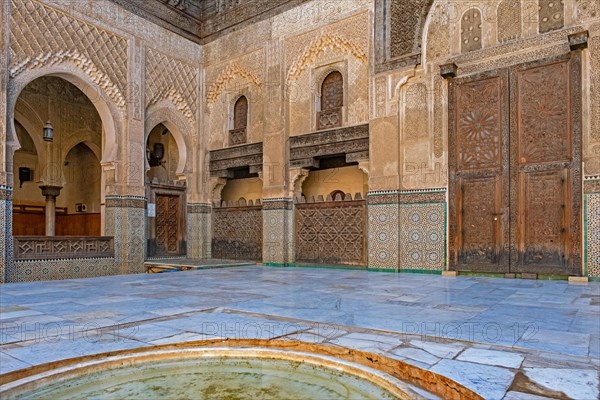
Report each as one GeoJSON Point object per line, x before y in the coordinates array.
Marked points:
{"type": "Point", "coordinates": [214, 378]}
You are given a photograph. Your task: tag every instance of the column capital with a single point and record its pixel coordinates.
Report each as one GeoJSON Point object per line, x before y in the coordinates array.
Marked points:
{"type": "Point", "coordinates": [50, 191]}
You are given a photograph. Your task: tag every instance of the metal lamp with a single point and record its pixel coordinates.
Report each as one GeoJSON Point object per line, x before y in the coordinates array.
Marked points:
{"type": "Point", "coordinates": [48, 132]}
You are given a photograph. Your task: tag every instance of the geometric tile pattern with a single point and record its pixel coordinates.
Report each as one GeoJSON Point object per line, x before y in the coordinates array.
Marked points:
{"type": "Point", "coordinates": [407, 230]}
{"type": "Point", "coordinates": [592, 246]}
{"type": "Point", "coordinates": [278, 235]}
{"type": "Point", "coordinates": [198, 235]}
{"type": "Point", "coordinates": [383, 236]}
{"type": "Point", "coordinates": [422, 236]}
{"type": "Point", "coordinates": [5, 234]}
{"type": "Point", "coordinates": [128, 227]}
{"type": "Point", "coordinates": [45, 270]}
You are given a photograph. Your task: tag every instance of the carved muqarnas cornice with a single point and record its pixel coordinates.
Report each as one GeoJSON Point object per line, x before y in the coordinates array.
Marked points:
{"type": "Point", "coordinates": [305, 150]}
{"type": "Point", "coordinates": [224, 161]}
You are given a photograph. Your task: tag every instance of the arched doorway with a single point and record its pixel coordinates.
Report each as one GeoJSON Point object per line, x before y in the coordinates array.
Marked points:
{"type": "Point", "coordinates": [68, 161]}
{"type": "Point", "coordinates": [166, 194]}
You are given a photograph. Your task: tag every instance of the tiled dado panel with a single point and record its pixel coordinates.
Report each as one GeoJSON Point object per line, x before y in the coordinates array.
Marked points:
{"type": "Point", "coordinates": [126, 222]}
{"type": "Point", "coordinates": [278, 231]}
{"type": "Point", "coordinates": [6, 245]}
{"type": "Point", "coordinates": [407, 230]}
{"type": "Point", "coordinates": [422, 236]}
{"type": "Point", "coordinates": [45, 270]}
{"type": "Point", "coordinates": [199, 230]}
{"type": "Point", "coordinates": [383, 235]}
{"type": "Point", "coordinates": [592, 228]}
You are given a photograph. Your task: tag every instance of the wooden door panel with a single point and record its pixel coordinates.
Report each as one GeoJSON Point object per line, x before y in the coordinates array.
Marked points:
{"type": "Point", "coordinates": [482, 224]}
{"type": "Point", "coordinates": [167, 224]}
{"type": "Point", "coordinates": [479, 130]}
{"type": "Point", "coordinates": [543, 114]}
{"type": "Point", "coordinates": [543, 219]}
{"type": "Point", "coordinates": [545, 165]}
{"type": "Point", "coordinates": [478, 159]}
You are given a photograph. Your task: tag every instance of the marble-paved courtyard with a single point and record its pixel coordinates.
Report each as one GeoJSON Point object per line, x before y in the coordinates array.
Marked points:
{"type": "Point", "coordinates": [502, 338]}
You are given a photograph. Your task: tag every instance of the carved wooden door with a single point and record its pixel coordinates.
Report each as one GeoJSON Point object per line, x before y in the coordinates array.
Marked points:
{"type": "Point", "coordinates": [167, 224]}
{"type": "Point", "coordinates": [546, 165]}
{"type": "Point", "coordinates": [515, 169]}
{"type": "Point", "coordinates": [479, 165]}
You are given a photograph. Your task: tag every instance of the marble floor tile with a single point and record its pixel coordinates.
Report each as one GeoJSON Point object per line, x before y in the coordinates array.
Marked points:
{"type": "Point", "coordinates": [491, 357]}
{"type": "Point", "coordinates": [9, 364]}
{"type": "Point", "coordinates": [489, 382]}
{"type": "Point", "coordinates": [574, 383]}
{"type": "Point", "coordinates": [493, 327]}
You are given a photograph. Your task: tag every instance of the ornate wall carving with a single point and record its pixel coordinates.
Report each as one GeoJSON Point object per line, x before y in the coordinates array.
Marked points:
{"type": "Point", "coordinates": [249, 155]}
{"type": "Point", "coordinates": [551, 15]}
{"type": "Point", "coordinates": [406, 21]}
{"type": "Point", "coordinates": [398, 32]}
{"type": "Point", "coordinates": [414, 133]}
{"type": "Point", "coordinates": [470, 30]}
{"type": "Point", "coordinates": [43, 36]}
{"type": "Point", "coordinates": [237, 233]}
{"type": "Point", "coordinates": [353, 141]}
{"type": "Point", "coordinates": [227, 75]}
{"type": "Point", "coordinates": [309, 56]}
{"type": "Point", "coordinates": [438, 34]}
{"type": "Point", "coordinates": [50, 248]}
{"type": "Point", "coordinates": [318, 46]}
{"type": "Point", "coordinates": [592, 153]}
{"type": "Point", "coordinates": [587, 10]}
{"type": "Point", "coordinates": [509, 20]}
{"type": "Point", "coordinates": [438, 115]}
{"type": "Point", "coordinates": [172, 79]}
{"type": "Point", "coordinates": [331, 233]}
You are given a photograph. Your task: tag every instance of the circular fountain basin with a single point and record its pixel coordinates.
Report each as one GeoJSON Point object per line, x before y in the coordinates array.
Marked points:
{"type": "Point", "coordinates": [212, 373]}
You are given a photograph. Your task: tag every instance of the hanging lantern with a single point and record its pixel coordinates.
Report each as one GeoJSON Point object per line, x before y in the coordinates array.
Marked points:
{"type": "Point", "coordinates": [48, 132]}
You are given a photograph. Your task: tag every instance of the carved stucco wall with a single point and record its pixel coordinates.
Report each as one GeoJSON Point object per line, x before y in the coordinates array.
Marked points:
{"type": "Point", "coordinates": [43, 35]}
{"type": "Point", "coordinates": [342, 46]}
{"type": "Point", "coordinates": [168, 78]}
{"type": "Point", "coordinates": [225, 83]}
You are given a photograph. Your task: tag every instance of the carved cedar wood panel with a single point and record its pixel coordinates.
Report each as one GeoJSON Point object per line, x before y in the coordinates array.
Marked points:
{"type": "Point", "coordinates": [546, 165]}
{"type": "Point", "coordinates": [237, 233]}
{"type": "Point", "coordinates": [516, 168]}
{"type": "Point", "coordinates": [331, 233]}
{"type": "Point", "coordinates": [167, 224]}
{"type": "Point", "coordinates": [479, 185]}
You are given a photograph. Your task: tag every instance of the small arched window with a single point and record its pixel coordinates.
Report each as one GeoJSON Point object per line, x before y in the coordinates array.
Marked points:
{"type": "Point", "coordinates": [332, 101]}
{"type": "Point", "coordinates": [240, 121]}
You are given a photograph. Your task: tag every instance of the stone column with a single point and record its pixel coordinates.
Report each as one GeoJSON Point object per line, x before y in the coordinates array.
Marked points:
{"type": "Point", "coordinates": [278, 206]}
{"type": "Point", "coordinates": [51, 193]}
{"type": "Point", "coordinates": [199, 230]}
{"type": "Point", "coordinates": [125, 202]}
{"type": "Point", "coordinates": [6, 242]}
